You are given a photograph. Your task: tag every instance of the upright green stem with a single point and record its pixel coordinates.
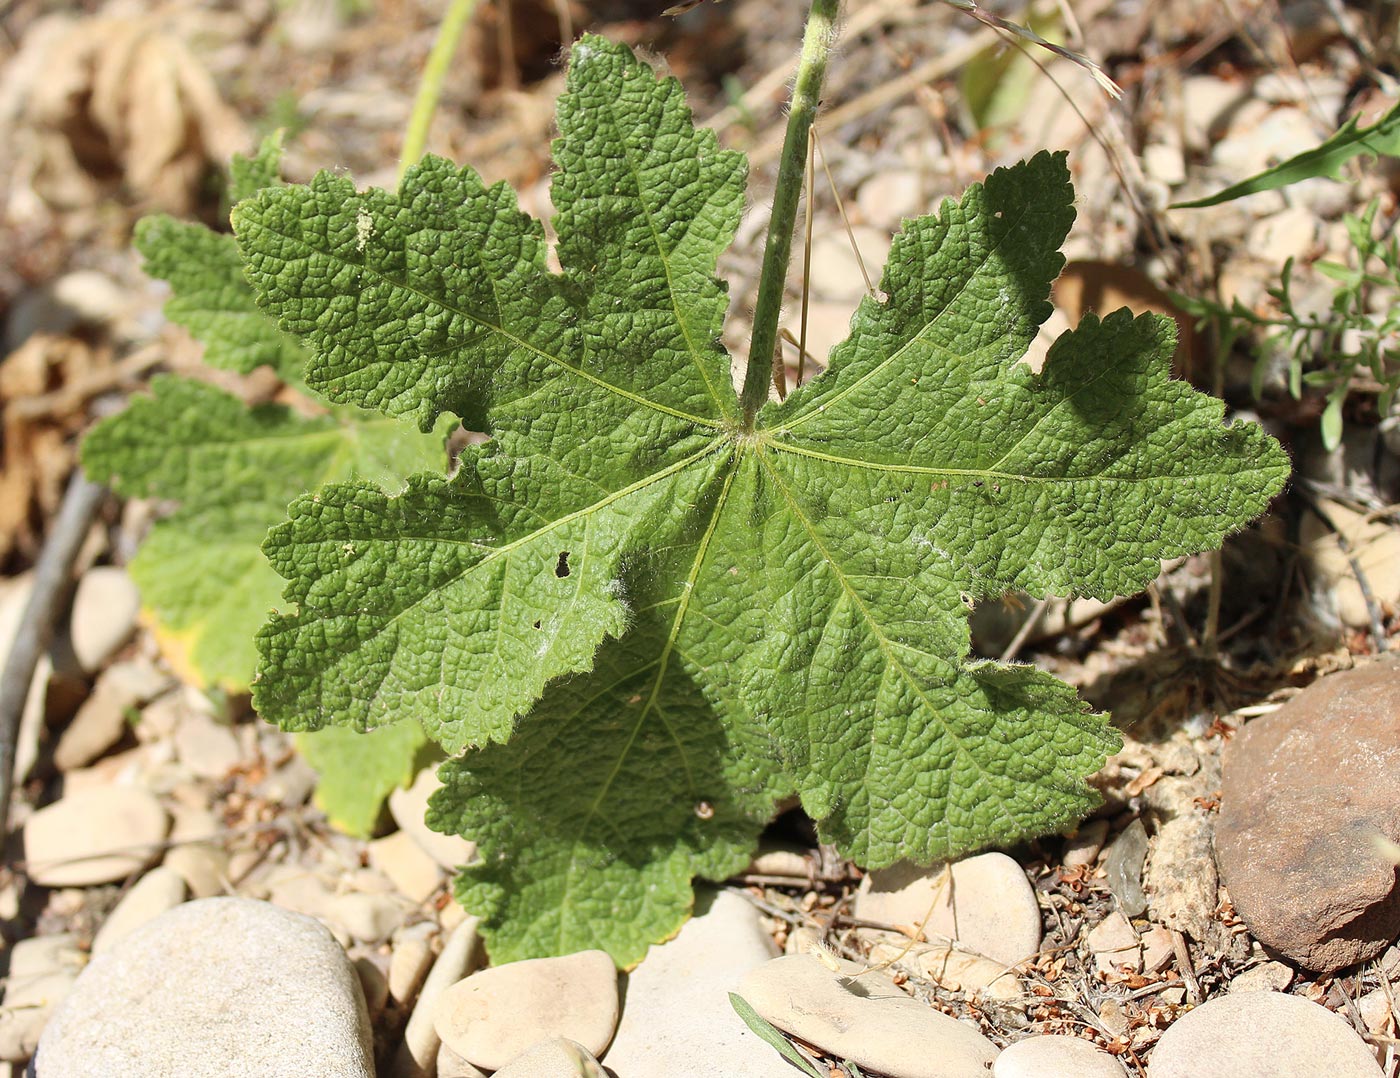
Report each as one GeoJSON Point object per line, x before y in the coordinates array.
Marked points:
{"type": "Point", "coordinates": [816, 47]}
{"type": "Point", "coordinates": [430, 86]}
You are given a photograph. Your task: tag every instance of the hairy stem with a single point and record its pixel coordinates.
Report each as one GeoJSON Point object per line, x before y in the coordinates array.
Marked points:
{"type": "Point", "coordinates": [777, 251]}
{"type": "Point", "coordinates": [430, 86]}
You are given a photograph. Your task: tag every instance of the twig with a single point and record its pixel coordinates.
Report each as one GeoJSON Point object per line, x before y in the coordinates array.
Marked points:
{"type": "Point", "coordinates": [845, 218]}
{"type": "Point", "coordinates": [1024, 632]}
{"type": "Point", "coordinates": [887, 93]}
{"type": "Point", "coordinates": [1184, 966]}
{"type": "Point", "coordinates": [51, 579]}
{"type": "Point", "coordinates": [866, 18]}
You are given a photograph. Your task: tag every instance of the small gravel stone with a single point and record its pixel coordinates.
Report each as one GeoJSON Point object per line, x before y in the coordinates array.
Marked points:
{"type": "Point", "coordinates": [889, 196]}
{"type": "Point", "coordinates": [417, 1055]}
{"type": "Point", "coordinates": [1180, 879]}
{"type": "Point", "coordinates": [42, 971]}
{"type": "Point", "coordinates": [869, 1021]}
{"type": "Point", "coordinates": [368, 918]}
{"type": "Point", "coordinates": [154, 893]}
{"type": "Point", "coordinates": [1084, 847]}
{"type": "Point", "coordinates": [413, 872]}
{"type": "Point", "coordinates": [100, 835]}
{"type": "Point", "coordinates": [1261, 1035]}
{"type": "Point", "coordinates": [678, 1021]}
{"type": "Point", "coordinates": [989, 908]}
{"type": "Point", "coordinates": [213, 988]}
{"type": "Point", "coordinates": [409, 962]}
{"type": "Point", "coordinates": [1265, 977]}
{"type": "Point", "coordinates": [203, 867]}
{"type": "Point", "coordinates": [373, 984]}
{"type": "Point", "coordinates": [1374, 1008]}
{"type": "Point", "coordinates": [451, 1065]}
{"type": "Point", "coordinates": [494, 1015]}
{"type": "Point", "coordinates": [1115, 944]}
{"type": "Point", "coordinates": [207, 747]}
{"type": "Point", "coordinates": [103, 717]}
{"type": "Point", "coordinates": [1157, 949]}
{"type": "Point", "coordinates": [944, 964]}
{"type": "Point", "coordinates": [1123, 867]}
{"type": "Point", "coordinates": [1056, 1057]}
{"type": "Point", "coordinates": [105, 606]}
{"type": "Point", "coordinates": [556, 1058]}
{"type": "Point", "coordinates": [409, 807]}
{"type": "Point", "coordinates": [1293, 843]}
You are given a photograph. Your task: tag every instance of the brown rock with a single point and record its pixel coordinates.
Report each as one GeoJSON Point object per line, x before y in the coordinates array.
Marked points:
{"type": "Point", "coordinates": [1305, 792]}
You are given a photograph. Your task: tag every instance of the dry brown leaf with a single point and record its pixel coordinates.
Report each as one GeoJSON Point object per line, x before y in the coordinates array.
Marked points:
{"type": "Point", "coordinates": [37, 447]}
{"type": "Point", "coordinates": [115, 99]}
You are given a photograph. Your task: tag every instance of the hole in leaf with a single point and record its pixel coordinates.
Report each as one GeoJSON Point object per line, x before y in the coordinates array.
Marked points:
{"type": "Point", "coordinates": [562, 569]}
{"type": "Point", "coordinates": [537, 625]}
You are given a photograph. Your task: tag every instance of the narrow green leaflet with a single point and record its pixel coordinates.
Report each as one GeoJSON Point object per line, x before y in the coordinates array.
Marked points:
{"type": "Point", "coordinates": [357, 771]}
{"type": "Point", "coordinates": [645, 616]}
{"type": "Point", "coordinates": [1381, 139]}
{"type": "Point", "coordinates": [772, 1035]}
{"type": "Point", "coordinates": [232, 470]}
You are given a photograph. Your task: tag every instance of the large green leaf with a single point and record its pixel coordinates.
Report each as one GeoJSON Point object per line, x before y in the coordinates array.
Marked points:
{"type": "Point", "coordinates": [748, 607]}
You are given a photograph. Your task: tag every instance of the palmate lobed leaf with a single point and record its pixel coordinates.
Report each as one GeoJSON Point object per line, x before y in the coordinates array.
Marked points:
{"type": "Point", "coordinates": [644, 620]}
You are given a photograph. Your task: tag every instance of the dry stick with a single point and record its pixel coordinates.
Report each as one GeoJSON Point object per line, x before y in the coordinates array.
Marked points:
{"type": "Point", "coordinates": [944, 878]}
{"type": "Point", "coordinates": [565, 18]}
{"type": "Point", "coordinates": [1373, 609]}
{"type": "Point", "coordinates": [887, 94]}
{"type": "Point", "coordinates": [505, 44]}
{"type": "Point", "coordinates": [779, 377]}
{"type": "Point", "coordinates": [51, 578]}
{"type": "Point", "coordinates": [1024, 632]}
{"type": "Point", "coordinates": [866, 18]}
{"type": "Point", "coordinates": [841, 209]}
{"type": "Point", "coordinates": [1184, 966]}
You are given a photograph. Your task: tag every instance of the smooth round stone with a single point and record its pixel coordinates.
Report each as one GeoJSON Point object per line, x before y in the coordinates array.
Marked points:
{"type": "Point", "coordinates": [990, 907]}
{"type": "Point", "coordinates": [866, 1019]}
{"type": "Point", "coordinates": [157, 891]}
{"type": "Point", "coordinates": [678, 1020]}
{"type": "Point", "coordinates": [1261, 1035]}
{"type": "Point", "coordinates": [42, 971]}
{"type": "Point", "coordinates": [1056, 1057]}
{"type": "Point", "coordinates": [105, 606]}
{"type": "Point", "coordinates": [99, 835]}
{"type": "Point", "coordinates": [420, 1047]}
{"type": "Point", "coordinates": [213, 988]}
{"type": "Point", "coordinates": [370, 918]}
{"type": "Point", "coordinates": [495, 1015]}
{"type": "Point", "coordinates": [555, 1058]}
